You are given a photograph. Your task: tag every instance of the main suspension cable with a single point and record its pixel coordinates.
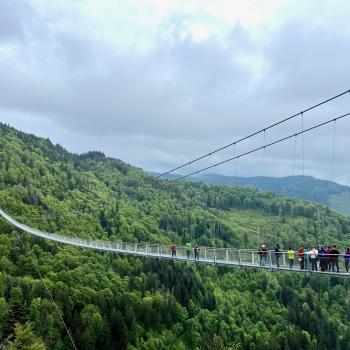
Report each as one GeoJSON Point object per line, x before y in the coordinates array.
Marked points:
{"type": "Point", "coordinates": [254, 133]}
{"type": "Point", "coordinates": [264, 146]}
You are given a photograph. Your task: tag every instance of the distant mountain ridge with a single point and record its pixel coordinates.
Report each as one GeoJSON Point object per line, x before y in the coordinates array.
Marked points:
{"type": "Point", "coordinates": [326, 192]}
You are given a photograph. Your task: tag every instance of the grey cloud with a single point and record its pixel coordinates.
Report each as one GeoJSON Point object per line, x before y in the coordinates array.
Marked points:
{"type": "Point", "coordinates": [170, 89]}
{"type": "Point", "coordinates": [14, 18]}
{"type": "Point", "coordinates": [182, 98]}
{"type": "Point", "coordinates": [307, 61]}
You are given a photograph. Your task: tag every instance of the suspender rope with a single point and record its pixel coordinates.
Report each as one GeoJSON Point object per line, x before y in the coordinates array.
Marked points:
{"type": "Point", "coordinates": [264, 153]}
{"type": "Point", "coordinates": [333, 147]}
{"type": "Point", "coordinates": [234, 164]}
{"type": "Point", "coordinates": [210, 170]}
{"type": "Point", "coordinates": [302, 141]}
{"type": "Point", "coordinates": [264, 167]}
{"type": "Point", "coordinates": [295, 152]}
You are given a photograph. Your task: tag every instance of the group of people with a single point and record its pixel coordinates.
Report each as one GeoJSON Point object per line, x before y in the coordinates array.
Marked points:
{"type": "Point", "coordinates": [188, 246]}
{"type": "Point", "coordinates": [317, 258]}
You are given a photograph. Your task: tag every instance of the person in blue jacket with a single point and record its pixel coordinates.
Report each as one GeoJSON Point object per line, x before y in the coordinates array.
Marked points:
{"type": "Point", "coordinates": [306, 258]}
{"type": "Point", "coordinates": [323, 259]}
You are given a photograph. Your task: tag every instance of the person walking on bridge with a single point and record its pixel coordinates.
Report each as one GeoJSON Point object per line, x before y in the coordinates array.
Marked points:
{"type": "Point", "coordinates": [278, 255]}
{"type": "Point", "coordinates": [313, 254]}
{"type": "Point", "coordinates": [306, 257]}
{"type": "Point", "coordinates": [318, 257]}
{"type": "Point", "coordinates": [173, 250]}
{"type": "Point", "coordinates": [301, 257]}
{"type": "Point", "coordinates": [196, 251]}
{"type": "Point", "coordinates": [347, 259]}
{"type": "Point", "coordinates": [323, 259]}
{"type": "Point", "coordinates": [291, 256]}
{"type": "Point", "coordinates": [334, 258]}
{"type": "Point", "coordinates": [188, 249]}
{"type": "Point", "coordinates": [328, 258]}
{"type": "Point", "coordinates": [263, 255]}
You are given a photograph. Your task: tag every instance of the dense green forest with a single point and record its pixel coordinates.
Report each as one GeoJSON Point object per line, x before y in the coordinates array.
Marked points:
{"type": "Point", "coordinates": [114, 302]}
{"type": "Point", "coordinates": [325, 192]}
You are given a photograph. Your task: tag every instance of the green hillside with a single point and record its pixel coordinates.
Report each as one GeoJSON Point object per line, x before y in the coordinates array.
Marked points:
{"type": "Point", "coordinates": [113, 302]}
{"type": "Point", "coordinates": [340, 202]}
{"type": "Point", "coordinates": [325, 192]}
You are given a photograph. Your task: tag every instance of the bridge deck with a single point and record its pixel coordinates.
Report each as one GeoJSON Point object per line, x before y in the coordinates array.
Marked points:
{"type": "Point", "coordinates": [241, 258]}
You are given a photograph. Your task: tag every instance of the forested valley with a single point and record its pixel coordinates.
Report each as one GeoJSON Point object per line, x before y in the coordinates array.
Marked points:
{"type": "Point", "coordinates": [116, 302]}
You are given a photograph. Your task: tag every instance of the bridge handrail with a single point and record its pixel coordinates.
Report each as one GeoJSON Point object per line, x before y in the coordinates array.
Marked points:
{"type": "Point", "coordinates": [248, 258]}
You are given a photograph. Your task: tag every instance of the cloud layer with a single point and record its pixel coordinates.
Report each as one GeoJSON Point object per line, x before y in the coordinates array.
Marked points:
{"type": "Point", "coordinates": [175, 81]}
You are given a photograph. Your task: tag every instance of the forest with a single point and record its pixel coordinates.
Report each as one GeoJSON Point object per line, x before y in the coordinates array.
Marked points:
{"type": "Point", "coordinates": [116, 302]}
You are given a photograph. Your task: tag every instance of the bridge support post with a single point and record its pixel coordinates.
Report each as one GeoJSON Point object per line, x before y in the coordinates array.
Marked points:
{"type": "Point", "coordinates": [146, 248]}
{"type": "Point", "coordinates": [253, 258]}
{"type": "Point", "coordinates": [270, 258]}
{"type": "Point", "coordinates": [239, 257]}
{"type": "Point", "coordinates": [205, 253]}
{"type": "Point", "coordinates": [226, 255]}
{"type": "Point", "coordinates": [135, 247]}
{"type": "Point", "coordinates": [158, 249]}
{"type": "Point", "coordinates": [117, 246]}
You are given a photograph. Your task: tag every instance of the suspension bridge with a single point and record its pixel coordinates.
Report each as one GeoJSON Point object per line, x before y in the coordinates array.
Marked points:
{"type": "Point", "coordinates": [240, 258]}
{"type": "Point", "coordinates": [229, 257]}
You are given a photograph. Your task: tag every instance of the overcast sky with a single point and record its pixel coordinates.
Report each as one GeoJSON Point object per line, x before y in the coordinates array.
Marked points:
{"type": "Point", "coordinates": [157, 82]}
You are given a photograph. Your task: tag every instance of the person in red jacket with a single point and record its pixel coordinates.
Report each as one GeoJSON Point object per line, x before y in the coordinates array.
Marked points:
{"type": "Point", "coordinates": [328, 259]}
{"type": "Point", "coordinates": [301, 257]}
{"type": "Point", "coordinates": [263, 255]}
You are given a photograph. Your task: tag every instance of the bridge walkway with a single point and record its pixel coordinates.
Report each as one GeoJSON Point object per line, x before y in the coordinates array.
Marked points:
{"type": "Point", "coordinates": [229, 257]}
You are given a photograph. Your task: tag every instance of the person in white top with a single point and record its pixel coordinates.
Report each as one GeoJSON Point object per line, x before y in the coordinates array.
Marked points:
{"type": "Point", "coordinates": [313, 253]}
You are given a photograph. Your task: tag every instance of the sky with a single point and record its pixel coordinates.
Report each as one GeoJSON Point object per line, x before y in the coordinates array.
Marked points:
{"type": "Point", "coordinates": [156, 83]}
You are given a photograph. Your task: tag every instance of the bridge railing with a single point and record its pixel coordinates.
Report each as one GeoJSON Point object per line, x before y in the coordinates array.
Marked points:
{"type": "Point", "coordinates": [224, 256]}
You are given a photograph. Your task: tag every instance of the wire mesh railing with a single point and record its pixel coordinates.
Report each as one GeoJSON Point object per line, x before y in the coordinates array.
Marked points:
{"type": "Point", "coordinates": [332, 264]}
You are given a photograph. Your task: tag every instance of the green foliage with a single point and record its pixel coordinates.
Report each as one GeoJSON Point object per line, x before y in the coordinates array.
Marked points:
{"type": "Point", "coordinates": [302, 187]}
{"type": "Point", "coordinates": [341, 202]}
{"type": "Point", "coordinates": [24, 339]}
{"type": "Point", "coordinates": [115, 302]}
